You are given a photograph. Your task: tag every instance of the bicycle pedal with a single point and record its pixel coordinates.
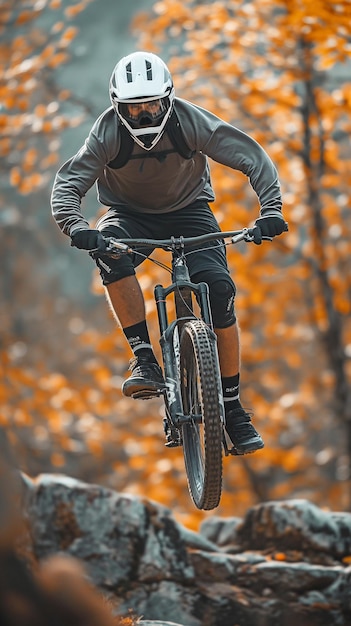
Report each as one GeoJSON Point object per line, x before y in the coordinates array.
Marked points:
{"type": "Point", "coordinates": [146, 394]}
{"type": "Point", "coordinates": [173, 439]}
{"type": "Point", "coordinates": [173, 444]}
{"type": "Point", "coordinates": [233, 452]}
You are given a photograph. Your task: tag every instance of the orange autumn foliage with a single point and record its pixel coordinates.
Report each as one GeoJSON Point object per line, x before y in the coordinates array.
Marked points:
{"type": "Point", "coordinates": [29, 106]}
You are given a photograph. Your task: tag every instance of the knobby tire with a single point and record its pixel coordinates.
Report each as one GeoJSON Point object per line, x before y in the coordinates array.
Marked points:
{"type": "Point", "coordinates": [201, 393]}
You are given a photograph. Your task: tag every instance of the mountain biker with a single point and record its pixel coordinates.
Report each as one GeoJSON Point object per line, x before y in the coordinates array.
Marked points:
{"type": "Point", "coordinates": [157, 193]}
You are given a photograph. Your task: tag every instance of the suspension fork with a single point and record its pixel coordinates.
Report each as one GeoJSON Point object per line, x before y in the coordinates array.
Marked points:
{"type": "Point", "coordinates": [169, 343]}
{"type": "Point", "coordinates": [170, 333]}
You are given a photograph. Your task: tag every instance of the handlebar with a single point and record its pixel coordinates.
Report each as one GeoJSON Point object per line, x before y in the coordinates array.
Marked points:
{"type": "Point", "coordinates": [125, 245]}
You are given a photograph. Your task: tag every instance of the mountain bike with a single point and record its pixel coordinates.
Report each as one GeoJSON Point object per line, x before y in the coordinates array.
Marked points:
{"type": "Point", "coordinates": [193, 401]}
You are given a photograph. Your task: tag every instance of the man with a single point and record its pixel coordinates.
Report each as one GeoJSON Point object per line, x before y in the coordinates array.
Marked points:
{"type": "Point", "coordinates": [158, 186]}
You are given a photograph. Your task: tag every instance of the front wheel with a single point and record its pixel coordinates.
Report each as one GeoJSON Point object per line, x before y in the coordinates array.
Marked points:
{"type": "Point", "coordinates": [202, 405]}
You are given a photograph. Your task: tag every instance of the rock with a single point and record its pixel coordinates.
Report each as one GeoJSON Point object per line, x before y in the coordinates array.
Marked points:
{"type": "Point", "coordinates": [284, 563]}
{"type": "Point", "coordinates": [296, 525]}
{"type": "Point", "coordinates": [120, 538]}
{"type": "Point", "coordinates": [223, 532]}
{"type": "Point", "coordinates": [196, 541]}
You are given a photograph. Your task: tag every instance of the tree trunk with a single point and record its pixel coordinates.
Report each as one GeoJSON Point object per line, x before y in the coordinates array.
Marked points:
{"type": "Point", "coordinates": [332, 336]}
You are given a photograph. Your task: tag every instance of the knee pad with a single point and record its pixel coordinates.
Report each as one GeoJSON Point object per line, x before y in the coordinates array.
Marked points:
{"type": "Point", "coordinates": [222, 293]}
{"type": "Point", "coordinates": [112, 270]}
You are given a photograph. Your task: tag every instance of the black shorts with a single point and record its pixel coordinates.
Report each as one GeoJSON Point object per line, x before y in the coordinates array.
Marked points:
{"type": "Point", "coordinates": [195, 219]}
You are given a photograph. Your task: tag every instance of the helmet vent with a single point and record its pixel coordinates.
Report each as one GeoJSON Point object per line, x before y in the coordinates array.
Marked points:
{"type": "Point", "coordinates": [129, 73]}
{"type": "Point", "coordinates": [148, 70]}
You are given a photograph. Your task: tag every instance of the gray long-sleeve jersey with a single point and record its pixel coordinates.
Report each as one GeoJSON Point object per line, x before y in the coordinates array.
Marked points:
{"type": "Point", "coordinates": [160, 186]}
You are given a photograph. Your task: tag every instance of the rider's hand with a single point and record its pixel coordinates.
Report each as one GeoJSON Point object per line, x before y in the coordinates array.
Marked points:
{"type": "Point", "coordinates": [89, 239]}
{"type": "Point", "coordinates": [270, 224]}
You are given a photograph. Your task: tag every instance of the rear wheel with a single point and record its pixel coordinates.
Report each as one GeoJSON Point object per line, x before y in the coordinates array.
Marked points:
{"type": "Point", "coordinates": [201, 396]}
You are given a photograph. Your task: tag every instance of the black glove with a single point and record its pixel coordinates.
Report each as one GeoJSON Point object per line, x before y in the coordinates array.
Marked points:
{"type": "Point", "coordinates": [270, 224]}
{"type": "Point", "coordinates": [89, 240]}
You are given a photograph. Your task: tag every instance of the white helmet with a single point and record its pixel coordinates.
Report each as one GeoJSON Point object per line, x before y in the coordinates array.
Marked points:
{"type": "Point", "coordinates": [142, 94]}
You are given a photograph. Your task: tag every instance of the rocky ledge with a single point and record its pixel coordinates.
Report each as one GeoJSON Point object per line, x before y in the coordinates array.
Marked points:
{"type": "Point", "coordinates": [284, 563]}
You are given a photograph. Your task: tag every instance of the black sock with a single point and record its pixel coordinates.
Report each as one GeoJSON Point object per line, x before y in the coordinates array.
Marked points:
{"type": "Point", "coordinates": [230, 386]}
{"type": "Point", "coordinates": [139, 340]}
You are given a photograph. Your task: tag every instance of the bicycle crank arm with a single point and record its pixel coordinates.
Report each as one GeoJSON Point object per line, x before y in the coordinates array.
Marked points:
{"type": "Point", "coordinates": [188, 419]}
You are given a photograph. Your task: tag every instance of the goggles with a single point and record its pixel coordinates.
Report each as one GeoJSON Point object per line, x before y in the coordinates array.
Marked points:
{"type": "Point", "coordinates": [144, 112]}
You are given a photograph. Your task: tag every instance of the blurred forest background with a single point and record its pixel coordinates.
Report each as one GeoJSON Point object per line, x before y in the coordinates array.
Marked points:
{"type": "Point", "coordinates": [281, 72]}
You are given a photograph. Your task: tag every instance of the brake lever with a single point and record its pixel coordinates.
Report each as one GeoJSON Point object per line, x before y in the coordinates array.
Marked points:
{"type": "Point", "coordinates": [246, 235]}
{"type": "Point", "coordinates": [116, 248]}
